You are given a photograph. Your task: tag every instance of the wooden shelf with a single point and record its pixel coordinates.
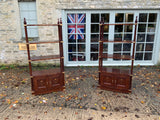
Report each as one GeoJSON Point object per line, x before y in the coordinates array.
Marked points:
{"type": "Point", "coordinates": [117, 41]}
{"type": "Point", "coordinates": [116, 71]}
{"type": "Point", "coordinates": [123, 57]}
{"type": "Point", "coordinates": [43, 42]}
{"type": "Point", "coordinates": [49, 57]}
{"type": "Point", "coordinates": [46, 72]}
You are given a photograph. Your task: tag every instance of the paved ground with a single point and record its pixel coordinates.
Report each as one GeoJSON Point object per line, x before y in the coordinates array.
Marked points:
{"type": "Point", "coordinates": [81, 100]}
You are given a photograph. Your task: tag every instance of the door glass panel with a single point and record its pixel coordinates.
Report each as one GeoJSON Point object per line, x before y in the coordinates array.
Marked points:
{"type": "Point", "coordinates": [72, 48]}
{"type": "Point", "coordinates": [139, 56]}
{"type": "Point", "coordinates": [141, 27]}
{"type": "Point", "coordinates": [95, 28]}
{"type": "Point", "coordinates": [129, 17]}
{"type": "Point", "coordinates": [149, 47]}
{"type": "Point", "coordinates": [94, 47]}
{"type": "Point", "coordinates": [94, 56]}
{"type": "Point", "coordinates": [152, 17]}
{"type": "Point", "coordinates": [143, 17]}
{"type": "Point", "coordinates": [76, 34]}
{"type": "Point", "coordinates": [105, 17]}
{"type": "Point", "coordinates": [148, 56]}
{"type": "Point", "coordinates": [128, 28]}
{"type": "Point", "coordinates": [146, 36]}
{"type": "Point", "coordinates": [126, 47]}
{"type": "Point", "coordinates": [141, 38]}
{"type": "Point", "coordinates": [81, 47]}
{"type": "Point", "coordinates": [119, 17]}
{"type": "Point", "coordinates": [117, 47]}
{"type": "Point", "coordinates": [94, 37]}
{"type": "Point", "coordinates": [151, 27]}
{"type": "Point", "coordinates": [95, 18]}
{"type": "Point", "coordinates": [150, 38]}
{"type": "Point", "coordinates": [128, 37]}
{"type": "Point", "coordinates": [140, 47]}
{"type": "Point", "coordinates": [118, 28]}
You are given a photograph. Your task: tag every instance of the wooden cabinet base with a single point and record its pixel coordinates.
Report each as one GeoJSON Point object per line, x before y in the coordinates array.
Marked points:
{"type": "Point", "coordinates": [115, 81]}
{"type": "Point", "coordinates": [47, 83]}
{"type": "Point", "coordinates": [48, 91]}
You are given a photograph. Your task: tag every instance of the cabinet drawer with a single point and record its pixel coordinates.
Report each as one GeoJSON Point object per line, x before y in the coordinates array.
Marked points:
{"type": "Point", "coordinates": [122, 82]}
{"type": "Point", "coordinates": [40, 83]}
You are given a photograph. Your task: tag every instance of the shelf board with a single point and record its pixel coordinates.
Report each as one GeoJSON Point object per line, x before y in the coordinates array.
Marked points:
{"type": "Point", "coordinates": [46, 72]}
{"type": "Point", "coordinates": [116, 71]}
{"type": "Point", "coordinates": [49, 57]}
{"type": "Point", "coordinates": [43, 42]}
{"type": "Point", "coordinates": [117, 41]}
{"type": "Point", "coordinates": [123, 57]}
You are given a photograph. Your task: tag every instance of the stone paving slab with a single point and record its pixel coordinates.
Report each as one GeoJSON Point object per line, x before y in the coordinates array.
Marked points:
{"type": "Point", "coordinates": [81, 98]}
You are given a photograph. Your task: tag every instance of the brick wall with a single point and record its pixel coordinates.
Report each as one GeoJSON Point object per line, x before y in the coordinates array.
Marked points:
{"type": "Point", "coordinates": [48, 11]}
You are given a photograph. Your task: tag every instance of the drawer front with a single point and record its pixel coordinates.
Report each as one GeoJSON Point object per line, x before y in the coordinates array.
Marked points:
{"type": "Point", "coordinates": [55, 81]}
{"type": "Point", "coordinates": [122, 82]}
{"type": "Point", "coordinates": [40, 83]}
{"type": "Point", "coordinates": [107, 80]}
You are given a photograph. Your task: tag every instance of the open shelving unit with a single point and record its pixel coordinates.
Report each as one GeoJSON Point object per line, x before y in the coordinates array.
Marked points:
{"type": "Point", "coordinates": [46, 81]}
{"type": "Point", "coordinates": [114, 79]}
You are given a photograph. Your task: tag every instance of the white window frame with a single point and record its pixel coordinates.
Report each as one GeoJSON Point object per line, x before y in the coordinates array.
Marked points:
{"type": "Point", "coordinates": [110, 62]}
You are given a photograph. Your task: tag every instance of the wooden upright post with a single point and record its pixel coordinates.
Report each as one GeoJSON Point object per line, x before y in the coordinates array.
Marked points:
{"type": "Point", "coordinates": [134, 43]}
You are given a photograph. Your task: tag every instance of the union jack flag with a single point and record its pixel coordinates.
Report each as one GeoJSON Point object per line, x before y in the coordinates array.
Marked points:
{"type": "Point", "coordinates": [77, 27]}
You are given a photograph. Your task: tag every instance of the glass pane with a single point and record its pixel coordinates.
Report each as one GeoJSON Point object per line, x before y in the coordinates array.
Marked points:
{"type": "Point", "coordinates": [119, 17]}
{"type": "Point", "coordinates": [105, 36]}
{"type": "Point", "coordinates": [81, 47]}
{"type": "Point", "coordinates": [150, 38]}
{"type": "Point", "coordinates": [94, 56]}
{"type": "Point", "coordinates": [126, 47]}
{"type": "Point", "coordinates": [118, 28]}
{"type": "Point", "coordinates": [106, 17]}
{"type": "Point", "coordinates": [94, 47]}
{"type": "Point", "coordinates": [128, 28]}
{"type": "Point", "coordinates": [148, 56]}
{"type": "Point", "coordinates": [117, 54]}
{"type": "Point", "coordinates": [117, 47]}
{"type": "Point", "coordinates": [72, 48]}
{"type": "Point", "coordinates": [128, 17]}
{"type": "Point", "coordinates": [143, 17]}
{"type": "Point", "coordinates": [81, 38]}
{"type": "Point", "coordinates": [72, 57]}
{"type": "Point", "coordinates": [118, 37]}
{"type": "Point", "coordinates": [81, 57]}
{"type": "Point", "coordinates": [71, 38]}
{"type": "Point", "coordinates": [151, 27]}
{"type": "Point", "coordinates": [152, 17]}
{"type": "Point", "coordinates": [71, 18]}
{"type": "Point", "coordinates": [71, 29]}
{"type": "Point", "coordinates": [139, 56]}
{"type": "Point", "coordinates": [140, 47]}
{"type": "Point", "coordinates": [106, 28]}
{"type": "Point", "coordinates": [95, 18]}
{"type": "Point", "coordinates": [149, 47]}
{"type": "Point", "coordinates": [126, 54]}
{"type": "Point", "coordinates": [95, 28]}
{"type": "Point", "coordinates": [94, 37]}
{"type": "Point", "coordinates": [105, 47]}
{"type": "Point", "coordinates": [141, 38]}
{"type": "Point", "coordinates": [80, 29]}
{"type": "Point", "coordinates": [128, 37]}
{"type": "Point", "coordinates": [141, 27]}
{"type": "Point", "coordinates": [76, 18]}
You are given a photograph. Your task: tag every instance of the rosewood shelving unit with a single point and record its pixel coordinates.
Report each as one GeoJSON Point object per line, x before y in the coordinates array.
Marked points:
{"type": "Point", "coordinates": [119, 80]}
{"type": "Point", "coordinates": [46, 81]}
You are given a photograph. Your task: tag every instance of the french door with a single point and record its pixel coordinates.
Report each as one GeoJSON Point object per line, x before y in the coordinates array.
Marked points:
{"type": "Point", "coordinates": [81, 36]}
